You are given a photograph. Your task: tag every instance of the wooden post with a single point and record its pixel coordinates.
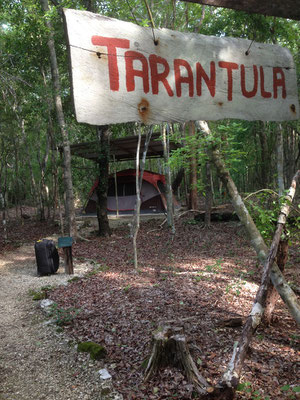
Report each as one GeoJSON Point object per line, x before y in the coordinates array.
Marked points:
{"type": "Point", "coordinates": [66, 244]}
{"type": "Point", "coordinates": [68, 260]}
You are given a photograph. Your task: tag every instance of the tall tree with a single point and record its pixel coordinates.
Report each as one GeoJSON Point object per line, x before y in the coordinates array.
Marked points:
{"type": "Point", "coordinates": [69, 204]}
{"type": "Point", "coordinates": [103, 164]}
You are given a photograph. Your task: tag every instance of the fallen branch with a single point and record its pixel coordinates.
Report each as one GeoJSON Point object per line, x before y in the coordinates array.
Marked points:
{"type": "Point", "coordinates": [278, 280]}
{"type": "Point", "coordinates": [231, 377]}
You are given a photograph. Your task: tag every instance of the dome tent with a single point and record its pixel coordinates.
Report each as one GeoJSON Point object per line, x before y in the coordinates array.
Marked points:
{"type": "Point", "coordinates": [152, 193]}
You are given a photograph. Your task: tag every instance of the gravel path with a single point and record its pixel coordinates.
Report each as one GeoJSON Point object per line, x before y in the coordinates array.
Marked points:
{"type": "Point", "coordinates": [36, 361]}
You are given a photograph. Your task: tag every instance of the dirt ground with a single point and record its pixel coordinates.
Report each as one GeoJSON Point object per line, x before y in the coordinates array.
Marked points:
{"type": "Point", "coordinates": [194, 280]}
{"type": "Point", "coordinates": [37, 361]}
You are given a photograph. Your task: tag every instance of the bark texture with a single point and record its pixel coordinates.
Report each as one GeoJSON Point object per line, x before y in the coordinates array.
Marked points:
{"type": "Point", "coordinates": [193, 200]}
{"type": "Point", "coordinates": [273, 295]}
{"type": "Point", "coordinates": [169, 194]}
{"type": "Point", "coordinates": [139, 180]}
{"type": "Point", "coordinates": [103, 163]}
{"type": "Point", "coordinates": [70, 210]}
{"type": "Point", "coordinates": [278, 280]}
{"type": "Point", "coordinates": [169, 348]}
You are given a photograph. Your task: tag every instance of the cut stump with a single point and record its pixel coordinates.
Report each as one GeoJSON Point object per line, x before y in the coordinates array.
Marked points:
{"type": "Point", "coordinates": [169, 348]}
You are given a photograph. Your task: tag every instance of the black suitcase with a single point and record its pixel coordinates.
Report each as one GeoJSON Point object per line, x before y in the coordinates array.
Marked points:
{"type": "Point", "coordinates": [47, 257]}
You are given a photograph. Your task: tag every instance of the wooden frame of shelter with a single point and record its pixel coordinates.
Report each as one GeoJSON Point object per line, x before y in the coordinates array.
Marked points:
{"type": "Point", "coordinates": [122, 149]}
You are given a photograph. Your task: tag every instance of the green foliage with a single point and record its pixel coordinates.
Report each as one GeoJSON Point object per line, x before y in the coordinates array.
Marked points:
{"type": "Point", "coordinates": [127, 288]}
{"type": "Point", "coordinates": [40, 294]}
{"type": "Point", "coordinates": [265, 209]}
{"type": "Point", "coordinates": [26, 104]}
{"type": "Point", "coordinates": [209, 269]}
{"type": "Point", "coordinates": [63, 316]}
{"type": "Point", "coordinates": [253, 394]}
{"type": "Point", "coordinates": [290, 391]}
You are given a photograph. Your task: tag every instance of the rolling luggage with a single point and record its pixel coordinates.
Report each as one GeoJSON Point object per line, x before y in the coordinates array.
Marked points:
{"type": "Point", "coordinates": [47, 257]}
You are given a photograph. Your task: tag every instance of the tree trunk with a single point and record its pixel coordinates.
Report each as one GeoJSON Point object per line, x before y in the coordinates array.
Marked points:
{"type": "Point", "coordinates": [3, 185]}
{"type": "Point", "coordinates": [193, 201]}
{"type": "Point", "coordinates": [278, 280]}
{"type": "Point", "coordinates": [103, 162]}
{"type": "Point", "coordinates": [69, 207]}
{"type": "Point", "coordinates": [273, 296]}
{"type": "Point", "coordinates": [169, 348]}
{"type": "Point", "coordinates": [135, 225]}
{"type": "Point", "coordinates": [169, 194]}
{"type": "Point", "coordinates": [280, 173]}
{"type": "Point", "coordinates": [208, 194]}
{"type": "Point", "coordinates": [3, 208]}
{"type": "Point", "coordinates": [264, 156]}
{"type": "Point", "coordinates": [136, 218]}
{"type": "Point", "coordinates": [54, 156]}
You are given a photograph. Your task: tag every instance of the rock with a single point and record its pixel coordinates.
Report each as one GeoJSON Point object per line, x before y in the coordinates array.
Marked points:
{"type": "Point", "coordinates": [96, 351]}
{"type": "Point", "coordinates": [46, 303]}
{"type": "Point", "coordinates": [104, 374]}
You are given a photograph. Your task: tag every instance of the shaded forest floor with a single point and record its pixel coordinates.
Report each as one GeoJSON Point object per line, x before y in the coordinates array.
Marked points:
{"type": "Point", "coordinates": [198, 279]}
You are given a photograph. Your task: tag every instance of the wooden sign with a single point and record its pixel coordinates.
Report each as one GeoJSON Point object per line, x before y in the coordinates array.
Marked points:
{"type": "Point", "coordinates": [119, 74]}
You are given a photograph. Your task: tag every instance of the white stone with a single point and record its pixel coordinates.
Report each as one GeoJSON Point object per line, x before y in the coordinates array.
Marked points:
{"type": "Point", "coordinates": [104, 374]}
{"type": "Point", "coordinates": [46, 303]}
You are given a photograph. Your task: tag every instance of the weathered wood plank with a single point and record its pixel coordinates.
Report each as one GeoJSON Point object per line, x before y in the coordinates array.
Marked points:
{"type": "Point", "coordinates": [119, 75]}
{"type": "Point", "coordinates": [276, 8]}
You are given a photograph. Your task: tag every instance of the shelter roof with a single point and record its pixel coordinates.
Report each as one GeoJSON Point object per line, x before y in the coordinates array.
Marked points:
{"type": "Point", "coordinates": [122, 149]}
{"type": "Point", "coordinates": [276, 8]}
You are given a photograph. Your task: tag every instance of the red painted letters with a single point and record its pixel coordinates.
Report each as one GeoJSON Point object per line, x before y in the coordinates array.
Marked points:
{"type": "Point", "coordinates": [112, 44]}
{"type": "Point", "coordinates": [130, 56]}
{"type": "Point", "coordinates": [157, 77]}
{"type": "Point", "coordinates": [229, 66]}
{"type": "Point", "coordinates": [264, 94]}
{"type": "Point", "coordinates": [156, 70]}
{"type": "Point", "coordinates": [183, 79]}
{"type": "Point", "coordinates": [210, 82]}
{"type": "Point", "coordinates": [252, 92]}
{"type": "Point", "coordinates": [278, 82]}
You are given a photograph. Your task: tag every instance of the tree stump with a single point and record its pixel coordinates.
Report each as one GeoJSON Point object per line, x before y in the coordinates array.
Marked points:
{"type": "Point", "coordinates": [169, 348]}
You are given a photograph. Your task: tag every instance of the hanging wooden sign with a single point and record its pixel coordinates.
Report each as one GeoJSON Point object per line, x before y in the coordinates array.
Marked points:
{"type": "Point", "coordinates": [120, 74]}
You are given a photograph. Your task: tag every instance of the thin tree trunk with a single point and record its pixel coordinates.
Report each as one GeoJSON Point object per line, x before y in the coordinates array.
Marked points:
{"type": "Point", "coordinates": [27, 154]}
{"type": "Point", "coordinates": [193, 203]}
{"type": "Point", "coordinates": [3, 208]}
{"type": "Point", "coordinates": [208, 195]}
{"type": "Point", "coordinates": [264, 160]}
{"type": "Point", "coordinates": [43, 192]}
{"type": "Point", "coordinates": [135, 225]}
{"type": "Point", "coordinates": [169, 194]}
{"type": "Point", "coordinates": [54, 155]}
{"type": "Point", "coordinates": [69, 207]}
{"type": "Point", "coordinates": [136, 217]}
{"type": "Point", "coordinates": [280, 174]}
{"type": "Point", "coordinates": [3, 183]}
{"type": "Point", "coordinates": [103, 162]}
{"type": "Point", "coordinates": [116, 186]}
{"type": "Point", "coordinates": [278, 280]}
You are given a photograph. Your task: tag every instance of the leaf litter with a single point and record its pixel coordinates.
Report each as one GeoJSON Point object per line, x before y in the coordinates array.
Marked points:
{"type": "Point", "coordinates": [201, 277]}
